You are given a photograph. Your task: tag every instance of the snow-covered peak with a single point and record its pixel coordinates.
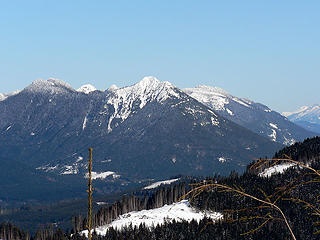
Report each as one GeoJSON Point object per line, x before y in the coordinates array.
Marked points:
{"type": "Point", "coordinates": [87, 88]}
{"type": "Point", "coordinates": [147, 90]}
{"type": "Point", "coordinates": [149, 85]}
{"type": "Point", "coordinates": [52, 85]}
{"type": "Point", "coordinates": [147, 81]}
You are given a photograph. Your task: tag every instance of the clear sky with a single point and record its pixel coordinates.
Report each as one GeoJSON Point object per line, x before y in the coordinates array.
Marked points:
{"type": "Point", "coordinates": [267, 51]}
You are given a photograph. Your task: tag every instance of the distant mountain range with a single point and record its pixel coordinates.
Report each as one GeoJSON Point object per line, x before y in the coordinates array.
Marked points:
{"type": "Point", "coordinates": [150, 130]}
{"type": "Point", "coordinates": [307, 117]}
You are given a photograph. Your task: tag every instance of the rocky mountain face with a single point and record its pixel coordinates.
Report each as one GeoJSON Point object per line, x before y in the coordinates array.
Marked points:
{"type": "Point", "coordinates": [148, 130]}
{"type": "Point", "coordinates": [253, 116]}
{"type": "Point", "coordinates": [306, 117]}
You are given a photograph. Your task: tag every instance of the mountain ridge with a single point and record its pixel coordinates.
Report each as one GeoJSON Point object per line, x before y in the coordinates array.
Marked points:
{"type": "Point", "coordinates": [253, 116]}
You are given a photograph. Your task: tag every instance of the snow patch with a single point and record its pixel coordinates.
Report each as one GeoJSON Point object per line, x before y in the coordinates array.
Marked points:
{"type": "Point", "coordinates": [214, 121]}
{"type": "Point", "coordinates": [108, 160]}
{"type": "Point", "coordinates": [229, 111]}
{"type": "Point", "coordinates": [177, 211]}
{"type": "Point", "coordinates": [276, 169]}
{"type": "Point", "coordinates": [86, 89]}
{"type": "Point", "coordinates": [273, 125]}
{"type": "Point", "coordinates": [68, 170]}
{"type": "Point", "coordinates": [240, 101]}
{"type": "Point", "coordinates": [273, 135]}
{"type": "Point", "coordinates": [47, 168]}
{"type": "Point", "coordinates": [101, 175]}
{"type": "Point", "coordinates": [84, 124]}
{"type": "Point", "coordinates": [288, 141]}
{"type": "Point", "coordinates": [157, 184]}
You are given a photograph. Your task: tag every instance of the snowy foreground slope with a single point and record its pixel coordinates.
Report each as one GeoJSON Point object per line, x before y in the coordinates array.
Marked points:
{"type": "Point", "coordinates": [177, 211]}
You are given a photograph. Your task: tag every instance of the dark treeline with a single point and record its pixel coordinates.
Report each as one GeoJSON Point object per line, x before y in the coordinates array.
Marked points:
{"type": "Point", "coordinates": [241, 215]}
{"type": "Point", "coordinates": [307, 151]}
{"type": "Point", "coordinates": [304, 151]}
{"type": "Point", "coordinates": [9, 231]}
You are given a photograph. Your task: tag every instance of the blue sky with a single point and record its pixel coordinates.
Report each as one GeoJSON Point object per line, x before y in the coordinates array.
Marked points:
{"type": "Point", "coordinates": [267, 51]}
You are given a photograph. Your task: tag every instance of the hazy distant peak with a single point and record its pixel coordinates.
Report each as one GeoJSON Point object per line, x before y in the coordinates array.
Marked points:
{"type": "Point", "coordinates": [305, 113]}
{"type": "Point", "coordinates": [301, 109]}
{"type": "Point", "coordinates": [87, 88]}
{"type": "Point", "coordinates": [113, 87]}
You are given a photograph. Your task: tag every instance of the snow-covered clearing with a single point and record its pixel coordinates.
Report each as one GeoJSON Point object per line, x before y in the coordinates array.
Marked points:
{"type": "Point", "coordinates": [276, 169]}
{"type": "Point", "coordinates": [177, 211]}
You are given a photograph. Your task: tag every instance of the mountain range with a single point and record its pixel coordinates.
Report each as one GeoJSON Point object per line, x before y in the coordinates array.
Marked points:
{"type": "Point", "coordinates": [150, 130]}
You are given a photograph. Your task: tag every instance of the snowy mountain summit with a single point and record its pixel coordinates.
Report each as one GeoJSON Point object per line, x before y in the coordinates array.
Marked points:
{"type": "Point", "coordinates": [86, 89]}
{"type": "Point", "coordinates": [147, 90]}
{"type": "Point", "coordinates": [52, 86]}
